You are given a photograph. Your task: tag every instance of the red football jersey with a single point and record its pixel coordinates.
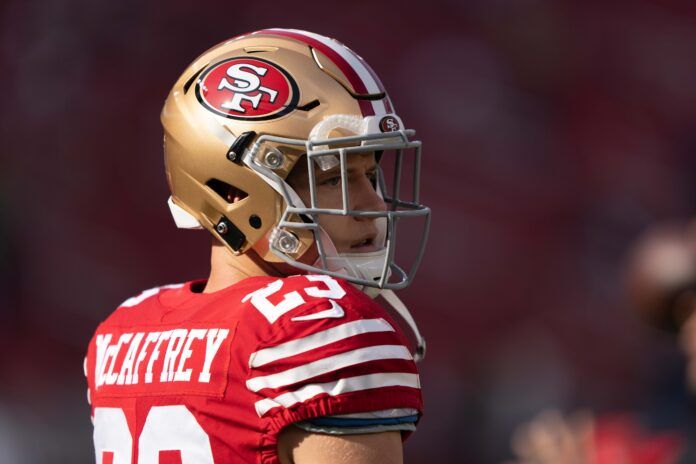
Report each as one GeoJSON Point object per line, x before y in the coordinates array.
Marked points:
{"type": "Point", "coordinates": [181, 377]}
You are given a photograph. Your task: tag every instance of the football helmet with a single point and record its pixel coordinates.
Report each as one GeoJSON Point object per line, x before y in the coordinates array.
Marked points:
{"type": "Point", "coordinates": [242, 115]}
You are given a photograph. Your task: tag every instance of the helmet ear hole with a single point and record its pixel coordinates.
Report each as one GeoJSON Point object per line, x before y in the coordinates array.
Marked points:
{"type": "Point", "coordinates": [227, 192]}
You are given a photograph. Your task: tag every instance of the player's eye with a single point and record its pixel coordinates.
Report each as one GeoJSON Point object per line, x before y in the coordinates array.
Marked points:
{"type": "Point", "coordinates": [331, 181]}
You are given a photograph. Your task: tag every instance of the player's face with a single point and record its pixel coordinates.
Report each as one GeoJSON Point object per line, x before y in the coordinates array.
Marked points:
{"type": "Point", "coordinates": [348, 233]}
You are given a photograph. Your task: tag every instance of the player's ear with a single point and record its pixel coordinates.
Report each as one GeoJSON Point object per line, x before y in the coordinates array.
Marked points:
{"type": "Point", "coordinates": [234, 195]}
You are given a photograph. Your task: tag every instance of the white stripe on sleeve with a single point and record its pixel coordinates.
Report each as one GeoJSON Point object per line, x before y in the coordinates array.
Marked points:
{"type": "Point", "coordinates": [317, 340]}
{"type": "Point", "coordinates": [349, 384]}
{"type": "Point", "coordinates": [328, 364]}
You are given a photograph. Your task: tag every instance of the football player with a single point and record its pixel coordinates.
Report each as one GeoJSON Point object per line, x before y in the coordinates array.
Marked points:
{"type": "Point", "coordinates": [284, 145]}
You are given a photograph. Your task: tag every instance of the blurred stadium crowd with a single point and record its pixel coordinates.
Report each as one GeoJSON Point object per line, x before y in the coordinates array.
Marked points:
{"type": "Point", "coordinates": [555, 133]}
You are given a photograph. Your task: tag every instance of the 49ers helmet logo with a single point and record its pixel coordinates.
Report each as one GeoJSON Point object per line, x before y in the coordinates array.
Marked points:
{"type": "Point", "coordinates": [247, 89]}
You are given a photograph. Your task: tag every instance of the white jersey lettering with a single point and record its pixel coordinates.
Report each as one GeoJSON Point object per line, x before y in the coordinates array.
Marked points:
{"type": "Point", "coordinates": [126, 374]}
{"type": "Point", "coordinates": [187, 351]}
{"type": "Point", "coordinates": [212, 345]}
{"type": "Point", "coordinates": [176, 342]}
{"type": "Point", "coordinates": [182, 375]}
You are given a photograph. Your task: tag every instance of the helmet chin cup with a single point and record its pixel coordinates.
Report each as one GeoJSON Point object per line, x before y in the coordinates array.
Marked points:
{"type": "Point", "coordinates": [367, 266]}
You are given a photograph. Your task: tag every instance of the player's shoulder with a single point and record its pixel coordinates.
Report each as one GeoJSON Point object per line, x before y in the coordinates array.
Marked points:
{"type": "Point", "coordinates": [309, 297]}
{"type": "Point", "coordinates": [149, 294]}
{"type": "Point", "coordinates": [323, 335]}
{"type": "Point", "coordinates": [140, 304]}
{"type": "Point", "coordinates": [261, 304]}
{"type": "Point", "coordinates": [300, 308]}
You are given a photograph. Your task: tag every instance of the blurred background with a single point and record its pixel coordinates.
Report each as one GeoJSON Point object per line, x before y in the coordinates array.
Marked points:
{"type": "Point", "coordinates": [555, 133]}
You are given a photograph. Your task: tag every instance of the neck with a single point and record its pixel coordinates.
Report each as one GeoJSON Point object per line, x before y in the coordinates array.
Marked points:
{"type": "Point", "coordinates": [227, 268]}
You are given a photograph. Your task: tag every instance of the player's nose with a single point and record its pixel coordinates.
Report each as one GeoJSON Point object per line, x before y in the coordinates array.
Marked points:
{"type": "Point", "coordinates": [367, 198]}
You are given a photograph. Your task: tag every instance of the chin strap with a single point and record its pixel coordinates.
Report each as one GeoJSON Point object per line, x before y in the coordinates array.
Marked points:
{"type": "Point", "coordinates": [401, 308]}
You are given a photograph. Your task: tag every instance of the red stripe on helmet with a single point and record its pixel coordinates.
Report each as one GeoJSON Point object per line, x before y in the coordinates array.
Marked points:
{"type": "Point", "coordinates": [355, 80]}
{"type": "Point", "coordinates": [378, 81]}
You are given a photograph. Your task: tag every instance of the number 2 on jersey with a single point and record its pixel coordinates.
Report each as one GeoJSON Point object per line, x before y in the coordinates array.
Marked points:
{"type": "Point", "coordinates": [293, 299]}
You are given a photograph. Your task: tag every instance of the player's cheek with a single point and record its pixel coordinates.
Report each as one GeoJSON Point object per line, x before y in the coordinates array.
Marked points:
{"type": "Point", "coordinates": [337, 227]}
{"type": "Point", "coordinates": [329, 196]}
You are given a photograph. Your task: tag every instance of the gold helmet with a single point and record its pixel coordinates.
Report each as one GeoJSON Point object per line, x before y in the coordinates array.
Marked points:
{"type": "Point", "coordinates": [240, 117]}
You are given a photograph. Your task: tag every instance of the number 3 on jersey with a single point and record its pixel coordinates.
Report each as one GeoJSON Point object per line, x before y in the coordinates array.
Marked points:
{"type": "Point", "coordinates": [170, 429]}
{"type": "Point", "coordinates": [293, 299]}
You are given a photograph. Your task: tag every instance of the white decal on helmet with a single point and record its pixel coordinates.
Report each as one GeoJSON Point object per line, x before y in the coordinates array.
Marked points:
{"type": "Point", "coordinates": [243, 83]}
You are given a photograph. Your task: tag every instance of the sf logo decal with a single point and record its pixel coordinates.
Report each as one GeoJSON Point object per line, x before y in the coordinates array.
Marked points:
{"type": "Point", "coordinates": [389, 124]}
{"type": "Point", "coordinates": [246, 85]}
{"type": "Point", "coordinates": [247, 89]}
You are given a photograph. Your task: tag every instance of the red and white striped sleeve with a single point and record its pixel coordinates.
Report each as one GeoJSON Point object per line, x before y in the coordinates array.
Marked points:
{"type": "Point", "coordinates": [332, 356]}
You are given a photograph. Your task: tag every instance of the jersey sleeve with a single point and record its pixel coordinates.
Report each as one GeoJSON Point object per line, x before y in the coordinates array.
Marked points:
{"type": "Point", "coordinates": [338, 354]}
{"type": "Point", "coordinates": [397, 419]}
